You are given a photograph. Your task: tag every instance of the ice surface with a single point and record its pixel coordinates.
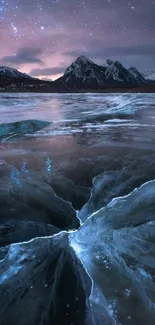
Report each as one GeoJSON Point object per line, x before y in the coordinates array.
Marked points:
{"type": "Point", "coordinates": [8, 130]}
{"type": "Point", "coordinates": [37, 274]}
{"type": "Point", "coordinates": [117, 247]}
{"type": "Point", "coordinates": [105, 273]}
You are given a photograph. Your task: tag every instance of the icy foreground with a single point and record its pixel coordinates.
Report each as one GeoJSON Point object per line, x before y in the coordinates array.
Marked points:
{"type": "Point", "coordinates": [101, 273]}
{"type": "Point", "coordinates": [117, 247]}
{"type": "Point", "coordinates": [8, 130]}
{"type": "Point", "coordinates": [42, 282]}
{"type": "Point", "coordinates": [94, 267]}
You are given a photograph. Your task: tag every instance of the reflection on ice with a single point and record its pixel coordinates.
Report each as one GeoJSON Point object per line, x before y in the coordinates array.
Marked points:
{"type": "Point", "coordinates": [24, 166]}
{"type": "Point", "coordinates": [71, 107]}
{"type": "Point", "coordinates": [15, 177]}
{"type": "Point", "coordinates": [48, 165]}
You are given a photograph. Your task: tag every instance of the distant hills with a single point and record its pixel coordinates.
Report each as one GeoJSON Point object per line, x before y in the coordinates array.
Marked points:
{"type": "Point", "coordinates": [13, 73]}
{"type": "Point", "coordinates": [81, 75]}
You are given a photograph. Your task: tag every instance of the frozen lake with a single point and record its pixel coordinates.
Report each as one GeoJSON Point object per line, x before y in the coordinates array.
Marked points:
{"type": "Point", "coordinates": [104, 142]}
{"type": "Point", "coordinates": [80, 121]}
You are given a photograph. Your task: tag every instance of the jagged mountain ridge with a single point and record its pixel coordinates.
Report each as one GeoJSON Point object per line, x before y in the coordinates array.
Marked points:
{"type": "Point", "coordinates": [84, 71]}
{"type": "Point", "coordinates": [137, 74]}
{"type": "Point", "coordinates": [87, 74]}
{"type": "Point", "coordinates": [80, 75]}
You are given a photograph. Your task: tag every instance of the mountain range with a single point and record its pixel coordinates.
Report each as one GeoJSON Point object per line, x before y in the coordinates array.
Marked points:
{"type": "Point", "coordinates": [83, 74]}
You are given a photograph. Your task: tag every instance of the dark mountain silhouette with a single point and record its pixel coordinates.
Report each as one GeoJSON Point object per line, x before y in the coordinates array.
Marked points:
{"type": "Point", "coordinates": [81, 75]}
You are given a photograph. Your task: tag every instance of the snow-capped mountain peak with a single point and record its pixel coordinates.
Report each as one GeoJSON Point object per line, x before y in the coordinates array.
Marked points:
{"type": "Point", "coordinates": [84, 71]}
{"type": "Point", "coordinates": [83, 60]}
{"type": "Point", "coordinates": [149, 74]}
{"type": "Point", "coordinates": [115, 71]}
{"type": "Point", "coordinates": [112, 71]}
{"type": "Point", "coordinates": [12, 73]}
{"type": "Point", "coordinates": [80, 66]}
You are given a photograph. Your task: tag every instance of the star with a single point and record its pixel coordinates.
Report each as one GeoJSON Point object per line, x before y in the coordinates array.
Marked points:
{"type": "Point", "coordinates": [61, 30]}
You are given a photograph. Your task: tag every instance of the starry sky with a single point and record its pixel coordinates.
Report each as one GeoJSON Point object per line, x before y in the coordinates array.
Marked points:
{"type": "Point", "coordinates": [43, 37]}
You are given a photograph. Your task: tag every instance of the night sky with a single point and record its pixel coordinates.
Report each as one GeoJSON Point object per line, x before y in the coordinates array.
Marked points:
{"type": "Point", "coordinates": [43, 37]}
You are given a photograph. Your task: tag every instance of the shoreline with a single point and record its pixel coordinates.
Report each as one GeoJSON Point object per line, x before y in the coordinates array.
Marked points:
{"type": "Point", "coordinates": [107, 91]}
{"type": "Point", "coordinates": [142, 89]}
